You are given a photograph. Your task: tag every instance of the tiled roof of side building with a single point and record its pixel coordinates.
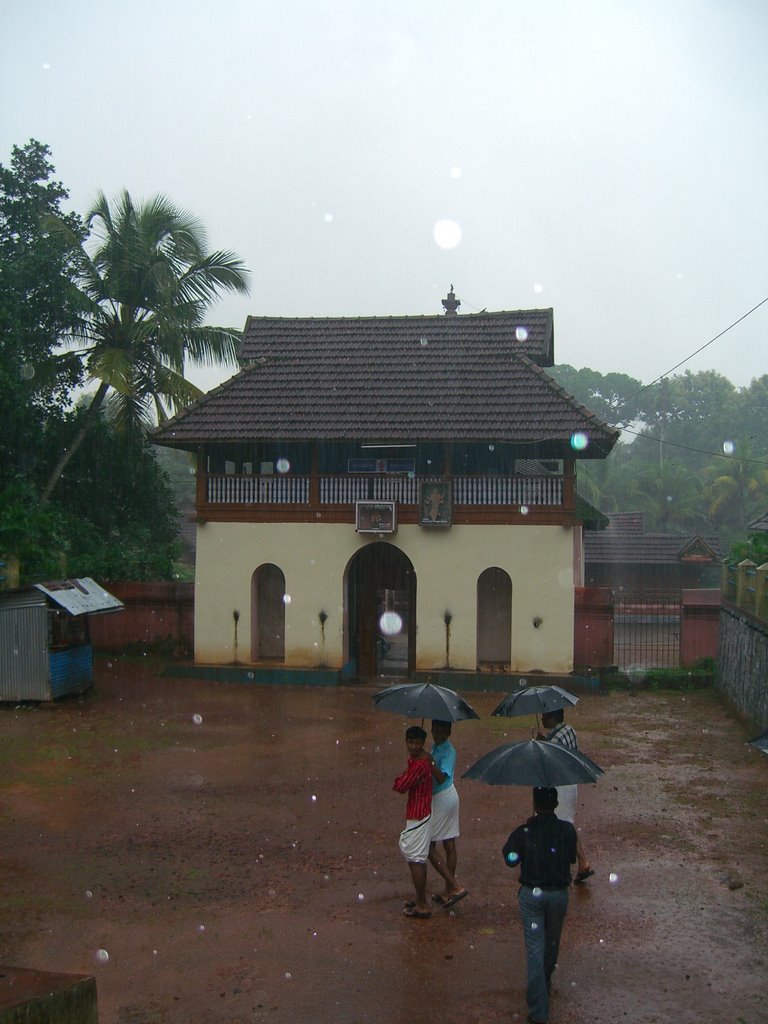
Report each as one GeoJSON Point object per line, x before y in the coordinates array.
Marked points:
{"type": "Point", "coordinates": [651, 548]}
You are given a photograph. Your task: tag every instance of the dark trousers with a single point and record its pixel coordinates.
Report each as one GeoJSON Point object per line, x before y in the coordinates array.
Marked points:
{"type": "Point", "coordinates": [543, 912]}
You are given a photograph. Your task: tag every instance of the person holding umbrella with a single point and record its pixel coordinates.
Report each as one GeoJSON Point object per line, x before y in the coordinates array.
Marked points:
{"type": "Point", "coordinates": [444, 826]}
{"type": "Point", "coordinates": [544, 848]}
{"type": "Point", "coordinates": [565, 735]}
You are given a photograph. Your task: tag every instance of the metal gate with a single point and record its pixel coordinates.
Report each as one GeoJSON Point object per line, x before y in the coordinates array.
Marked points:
{"type": "Point", "coordinates": [646, 629]}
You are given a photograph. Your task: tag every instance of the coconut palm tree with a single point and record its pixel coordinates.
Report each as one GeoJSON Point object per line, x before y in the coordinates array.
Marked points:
{"type": "Point", "coordinates": [146, 284]}
{"type": "Point", "coordinates": [738, 490]}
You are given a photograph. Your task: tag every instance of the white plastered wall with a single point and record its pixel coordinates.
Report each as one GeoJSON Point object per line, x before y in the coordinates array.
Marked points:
{"type": "Point", "coordinates": [447, 563]}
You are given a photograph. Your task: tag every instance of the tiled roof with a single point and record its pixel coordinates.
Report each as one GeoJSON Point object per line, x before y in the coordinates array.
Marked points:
{"type": "Point", "coordinates": [528, 332]}
{"type": "Point", "coordinates": [623, 543]}
{"type": "Point", "coordinates": [760, 524]}
{"type": "Point", "coordinates": [374, 385]}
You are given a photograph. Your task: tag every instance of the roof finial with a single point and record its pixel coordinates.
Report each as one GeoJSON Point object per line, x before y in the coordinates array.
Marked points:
{"type": "Point", "coordinates": [451, 303]}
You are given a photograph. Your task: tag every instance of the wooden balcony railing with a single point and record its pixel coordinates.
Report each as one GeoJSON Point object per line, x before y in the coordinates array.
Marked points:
{"type": "Point", "coordinates": [232, 489]}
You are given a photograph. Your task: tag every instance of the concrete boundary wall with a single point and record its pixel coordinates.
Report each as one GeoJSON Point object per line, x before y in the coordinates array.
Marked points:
{"type": "Point", "coordinates": [154, 614]}
{"type": "Point", "coordinates": [742, 663]}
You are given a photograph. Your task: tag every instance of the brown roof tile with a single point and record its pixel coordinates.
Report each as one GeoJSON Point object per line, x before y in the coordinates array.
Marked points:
{"type": "Point", "coordinates": [390, 379]}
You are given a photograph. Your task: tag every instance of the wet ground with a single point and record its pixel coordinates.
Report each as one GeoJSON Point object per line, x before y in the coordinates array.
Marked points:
{"type": "Point", "coordinates": [227, 854]}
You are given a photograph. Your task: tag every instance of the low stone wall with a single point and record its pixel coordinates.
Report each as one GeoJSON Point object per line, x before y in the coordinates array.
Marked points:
{"type": "Point", "coordinates": [742, 662]}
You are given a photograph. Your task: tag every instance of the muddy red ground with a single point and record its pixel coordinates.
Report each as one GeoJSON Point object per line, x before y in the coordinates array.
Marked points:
{"type": "Point", "coordinates": [227, 854]}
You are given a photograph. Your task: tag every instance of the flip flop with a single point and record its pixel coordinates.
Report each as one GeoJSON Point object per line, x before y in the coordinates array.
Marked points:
{"type": "Point", "coordinates": [437, 898]}
{"type": "Point", "coordinates": [409, 904]}
{"type": "Point", "coordinates": [582, 876]}
{"type": "Point", "coordinates": [452, 900]}
{"type": "Point", "coordinates": [414, 912]}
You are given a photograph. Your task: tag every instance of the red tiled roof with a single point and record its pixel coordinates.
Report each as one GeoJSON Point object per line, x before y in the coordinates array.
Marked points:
{"type": "Point", "coordinates": [391, 379]}
{"type": "Point", "coordinates": [623, 543]}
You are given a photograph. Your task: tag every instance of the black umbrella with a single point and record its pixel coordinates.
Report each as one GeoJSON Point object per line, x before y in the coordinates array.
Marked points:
{"type": "Point", "coordinates": [424, 700]}
{"type": "Point", "coordinates": [535, 700]}
{"type": "Point", "coordinates": [534, 763]}
{"type": "Point", "coordinates": [761, 742]}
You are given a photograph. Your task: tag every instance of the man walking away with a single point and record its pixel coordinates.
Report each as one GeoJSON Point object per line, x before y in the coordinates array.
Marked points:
{"type": "Point", "coordinates": [544, 849]}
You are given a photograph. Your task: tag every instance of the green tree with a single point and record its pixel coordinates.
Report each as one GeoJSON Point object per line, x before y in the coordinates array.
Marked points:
{"type": "Point", "coordinates": [738, 488]}
{"type": "Point", "coordinates": [38, 303]}
{"type": "Point", "coordinates": [146, 286]}
{"type": "Point", "coordinates": [611, 396]}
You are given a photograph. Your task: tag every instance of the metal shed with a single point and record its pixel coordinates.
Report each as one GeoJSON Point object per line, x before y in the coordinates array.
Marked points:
{"type": "Point", "coordinates": [45, 645]}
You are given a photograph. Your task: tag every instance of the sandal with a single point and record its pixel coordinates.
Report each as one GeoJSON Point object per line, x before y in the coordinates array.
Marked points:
{"type": "Point", "coordinates": [415, 912]}
{"type": "Point", "coordinates": [582, 876]}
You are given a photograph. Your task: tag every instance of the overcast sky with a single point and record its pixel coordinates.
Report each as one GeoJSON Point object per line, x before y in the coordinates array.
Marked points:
{"type": "Point", "coordinates": [608, 159]}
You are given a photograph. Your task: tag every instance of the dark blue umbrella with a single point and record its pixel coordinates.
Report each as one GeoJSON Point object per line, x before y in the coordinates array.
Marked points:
{"type": "Point", "coordinates": [424, 700]}
{"type": "Point", "coordinates": [535, 700]}
{"type": "Point", "coordinates": [534, 763]}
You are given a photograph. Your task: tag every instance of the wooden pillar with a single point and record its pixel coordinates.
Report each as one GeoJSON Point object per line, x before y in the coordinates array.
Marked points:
{"type": "Point", "coordinates": [569, 484]}
{"type": "Point", "coordinates": [314, 479]}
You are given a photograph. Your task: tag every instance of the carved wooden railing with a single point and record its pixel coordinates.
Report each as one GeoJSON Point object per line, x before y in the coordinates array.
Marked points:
{"type": "Point", "coordinates": [344, 489]}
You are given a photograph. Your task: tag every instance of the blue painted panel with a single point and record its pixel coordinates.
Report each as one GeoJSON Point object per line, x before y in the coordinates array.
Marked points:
{"type": "Point", "coordinates": [72, 670]}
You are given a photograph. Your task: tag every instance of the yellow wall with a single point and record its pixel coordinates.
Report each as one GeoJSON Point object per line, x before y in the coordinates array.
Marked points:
{"type": "Point", "coordinates": [313, 557]}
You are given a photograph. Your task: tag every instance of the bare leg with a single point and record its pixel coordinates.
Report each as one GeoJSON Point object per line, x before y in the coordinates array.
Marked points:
{"type": "Point", "coordinates": [419, 878]}
{"type": "Point", "coordinates": [580, 855]}
{"type": "Point", "coordinates": [445, 868]}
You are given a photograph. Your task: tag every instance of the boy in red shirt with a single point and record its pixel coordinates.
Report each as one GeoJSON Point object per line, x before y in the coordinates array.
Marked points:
{"type": "Point", "coordinates": [416, 781]}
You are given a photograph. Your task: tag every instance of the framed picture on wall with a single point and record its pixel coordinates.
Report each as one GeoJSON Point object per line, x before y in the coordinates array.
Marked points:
{"type": "Point", "coordinates": [375, 517]}
{"type": "Point", "coordinates": [435, 503]}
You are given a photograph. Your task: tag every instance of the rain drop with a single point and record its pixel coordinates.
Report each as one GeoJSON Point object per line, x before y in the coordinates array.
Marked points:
{"type": "Point", "coordinates": [521, 333]}
{"type": "Point", "coordinates": [523, 510]}
{"type": "Point", "coordinates": [390, 623]}
{"type": "Point", "coordinates": [579, 441]}
{"type": "Point", "coordinates": [729, 447]}
{"type": "Point", "coordinates": [536, 891]}
{"type": "Point", "coordinates": [314, 798]}
{"type": "Point", "coordinates": [197, 719]}
{"type": "Point", "coordinates": [613, 878]}
{"type": "Point", "coordinates": [447, 234]}
{"type": "Point", "coordinates": [102, 956]}
{"type": "Point", "coordinates": [282, 465]}
{"type": "Point", "coordinates": [360, 897]}
{"type": "Point", "coordinates": [286, 598]}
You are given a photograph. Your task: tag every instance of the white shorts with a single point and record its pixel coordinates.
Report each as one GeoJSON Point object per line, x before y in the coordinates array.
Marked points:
{"type": "Point", "coordinates": [566, 802]}
{"type": "Point", "coordinates": [445, 814]}
{"type": "Point", "coordinates": [414, 840]}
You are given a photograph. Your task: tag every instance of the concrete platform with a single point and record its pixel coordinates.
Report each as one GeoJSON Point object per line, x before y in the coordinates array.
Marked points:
{"type": "Point", "coordinates": [42, 997]}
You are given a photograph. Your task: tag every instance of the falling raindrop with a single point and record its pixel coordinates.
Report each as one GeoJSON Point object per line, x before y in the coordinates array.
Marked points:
{"type": "Point", "coordinates": [579, 441]}
{"type": "Point", "coordinates": [286, 598]}
{"type": "Point", "coordinates": [197, 719]}
{"type": "Point", "coordinates": [360, 897]}
{"type": "Point", "coordinates": [613, 878]}
{"type": "Point", "coordinates": [523, 510]}
{"type": "Point", "coordinates": [729, 447]}
{"type": "Point", "coordinates": [447, 234]}
{"type": "Point", "coordinates": [536, 891]}
{"type": "Point", "coordinates": [102, 956]}
{"type": "Point", "coordinates": [521, 333]}
{"type": "Point", "coordinates": [390, 623]}
{"type": "Point", "coordinates": [282, 465]}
